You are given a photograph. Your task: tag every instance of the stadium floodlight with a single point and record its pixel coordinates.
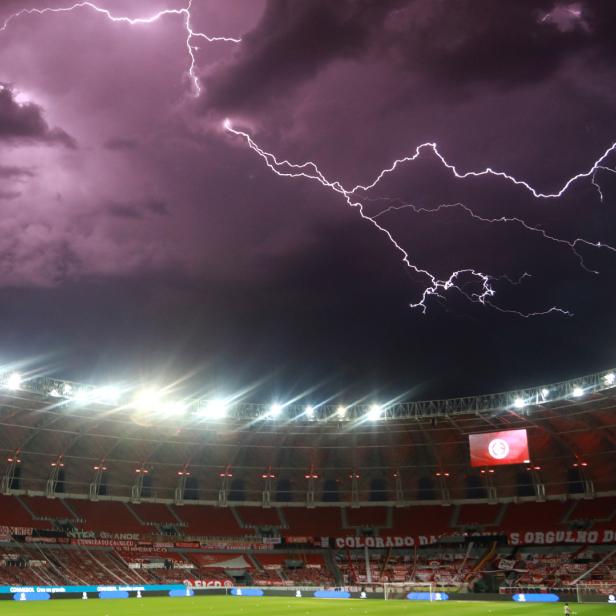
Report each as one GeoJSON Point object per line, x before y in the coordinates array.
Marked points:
{"type": "Point", "coordinates": [107, 394]}
{"type": "Point", "coordinates": [545, 392]}
{"type": "Point", "coordinates": [309, 411]}
{"type": "Point", "coordinates": [578, 392]}
{"type": "Point", "coordinates": [13, 382]}
{"type": "Point", "coordinates": [274, 411]}
{"type": "Point", "coordinates": [341, 412]}
{"type": "Point", "coordinates": [174, 409]}
{"type": "Point", "coordinates": [81, 395]}
{"type": "Point", "coordinates": [609, 379]}
{"type": "Point", "coordinates": [375, 413]}
{"type": "Point", "coordinates": [519, 403]}
{"type": "Point", "coordinates": [214, 409]}
{"type": "Point", "coordinates": [147, 400]}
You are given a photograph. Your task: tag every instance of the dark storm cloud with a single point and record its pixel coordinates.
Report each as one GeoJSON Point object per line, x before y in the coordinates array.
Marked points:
{"type": "Point", "coordinates": [464, 41]}
{"type": "Point", "coordinates": [121, 143]}
{"type": "Point", "coordinates": [138, 211]}
{"type": "Point", "coordinates": [25, 122]}
{"type": "Point", "coordinates": [292, 43]}
{"type": "Point", "coordinates": [454, 43]}
{"type": "Point", "coordinates": [9, 194]}
{"type": "Point", "coordinates": [15, 173]}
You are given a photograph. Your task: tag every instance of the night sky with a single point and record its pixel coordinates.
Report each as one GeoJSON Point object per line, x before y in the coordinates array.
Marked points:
{"type": "Point", "coordinates": [140, 241]}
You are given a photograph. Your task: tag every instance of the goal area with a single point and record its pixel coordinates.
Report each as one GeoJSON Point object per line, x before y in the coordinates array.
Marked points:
{"type": "Point", "coordinates": [419, 591]}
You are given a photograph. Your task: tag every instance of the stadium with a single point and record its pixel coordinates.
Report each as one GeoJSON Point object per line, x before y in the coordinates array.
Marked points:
{"type": "Point", "coordinates": [131, 494]}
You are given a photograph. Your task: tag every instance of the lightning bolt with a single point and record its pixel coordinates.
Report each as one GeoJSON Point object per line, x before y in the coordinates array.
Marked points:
{"type": "Point", "coordinates": [185, 13]}
{"type": "Point", "coordinates": [572, 244]}
{"type": "Point", "coordinates": [435, 287]}
{"type": "Point", "coordinates": [488, 171]}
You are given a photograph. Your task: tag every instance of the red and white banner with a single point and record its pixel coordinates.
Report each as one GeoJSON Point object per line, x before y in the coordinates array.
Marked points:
{"type": "Point", "coordinates": [272, 540]}
{"type": "Point", "coordinates": [497, 448]}
{"type": "Point", "coordinates": [208, 583]}
{"type": "Point", "coordinates": [295, 539]}
{"type": "Point", "coordinates": [222, 561]}
{"type": "Point", "coordinates": [15, 530]}
{"type": "Point", "coordinates": [188, 544]}
{"type": "Point", "coordinates": [110, 543]}
{"type": "Point", "coordinates": [231, 545]}
{"type": "Point", "coordinates": [119, 536]}
{"type": "Point", "coordinates": [31, 539]}
{"type": "Point", "coordinates": [384, 542]}
{"type": "Point", "coordinates": [554, 537]}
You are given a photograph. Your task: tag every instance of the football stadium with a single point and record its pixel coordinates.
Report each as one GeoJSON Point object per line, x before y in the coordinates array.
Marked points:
{"type": "Point", "coordinates": [489, 502]}
{"type": "Point", "coordinates": [307, 307]}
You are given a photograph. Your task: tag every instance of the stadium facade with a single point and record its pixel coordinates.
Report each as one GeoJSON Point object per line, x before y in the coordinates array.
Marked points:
{"type": "Point", "coordinates": [141, 491]}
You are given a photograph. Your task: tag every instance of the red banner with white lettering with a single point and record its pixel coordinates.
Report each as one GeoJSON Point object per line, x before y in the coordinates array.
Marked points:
{"type": "Point", "coordinates": [496, 448]}
{"type": "Point", "coordinates": [555, 537]}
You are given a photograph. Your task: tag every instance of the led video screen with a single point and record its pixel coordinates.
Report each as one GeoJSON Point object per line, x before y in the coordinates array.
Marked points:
{"type": "Point", "coordinates": [496, 448]}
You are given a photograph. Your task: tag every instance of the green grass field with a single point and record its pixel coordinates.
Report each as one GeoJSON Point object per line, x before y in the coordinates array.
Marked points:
{"type": "Point", "coordinates": [274, 606]}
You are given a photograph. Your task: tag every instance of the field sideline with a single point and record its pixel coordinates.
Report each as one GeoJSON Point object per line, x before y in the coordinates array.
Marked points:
{"type": "Point", "coordinates": [273, 606]}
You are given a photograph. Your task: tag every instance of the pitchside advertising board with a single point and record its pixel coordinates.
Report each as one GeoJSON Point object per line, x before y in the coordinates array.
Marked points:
{"type": "Point", "coordinates": [497, 448]}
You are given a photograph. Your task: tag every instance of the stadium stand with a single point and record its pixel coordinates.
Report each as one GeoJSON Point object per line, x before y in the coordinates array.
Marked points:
{"type": "Point", "coordinates": [154, 514]}
{"type": "Point", "coordinates": [380, 510]}
{"type": "Point", "coordinates": [255, 517]}
{"type": "Point", "coordinates": [209, 521]}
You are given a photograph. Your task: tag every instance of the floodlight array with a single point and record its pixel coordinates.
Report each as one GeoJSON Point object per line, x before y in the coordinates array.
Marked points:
{"type": "Point", "coordinates": [159, 403]}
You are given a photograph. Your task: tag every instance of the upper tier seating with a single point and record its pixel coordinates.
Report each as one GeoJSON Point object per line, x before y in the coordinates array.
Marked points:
{"type": "Point", "coordinates": [317, 522]}
{"type": "Point", "coordinates": [420, 520]}
{"type": "Point", "coordinates": [212, 521]}
{"type": "Point", "coordinates": [109, 516]}
{"type": "Point", "coordinates": [154, 513]}
{"type": "Point", "coordinates": [602, 509]}
{"type": "Point", "coordinates": [534, 516]}
{"type": "Point", "coordinates": [43, 507]}
{"type": "Point", "coordinates": [258, 516]}
{"type": "Point", "coordinates": [13, 514]}
{"type": "Point", "coordinates": [480, 515]}
{"type": "Point", "coordinates": [367, 516]}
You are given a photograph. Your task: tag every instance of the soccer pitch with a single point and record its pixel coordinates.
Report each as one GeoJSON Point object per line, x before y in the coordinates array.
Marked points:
{"type": "Point", "coordinates": [274, 606]}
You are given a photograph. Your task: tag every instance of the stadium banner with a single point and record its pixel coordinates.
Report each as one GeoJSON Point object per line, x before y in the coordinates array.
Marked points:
{"type": "Point", "coordinates": [272, 540]}
{"type": "Point", "coordinates": [295, 539]}
{"type": "Point", "coordinates": [384, 542]}
{"type": "Point", "coordinates": [553, 537]}
{"type": "Point", "coordinates": [215, 544]}
{"type": "Point", "coordinates": [187, 544]}
{"type": "Point", "coordinates": [31, 539]}
{"type": "Point", "coordinates": [536, 598]}
{"type": "Point", "coordinates": [144, 549]}
{"type": "Point", "coordinates": [209, 583]}
{"type": "Point", "coordinates": [222, 561]}
{"type": "Point", "coordinates": [90, 534]}
{"type": "Point", "coordinates": [497, 448]}
{"type": "Point", "coordinates": [179, 565]}
{"type": "Point", "coordinates": [109, 543]}
{"type": "Point", "coordinates": [22, 531]}
{"type": "Point", "coordinates": [89, 589]}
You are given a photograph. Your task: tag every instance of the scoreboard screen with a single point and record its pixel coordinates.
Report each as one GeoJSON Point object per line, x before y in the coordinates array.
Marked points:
{"type": "Point", "coordinates": [496, 448]}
